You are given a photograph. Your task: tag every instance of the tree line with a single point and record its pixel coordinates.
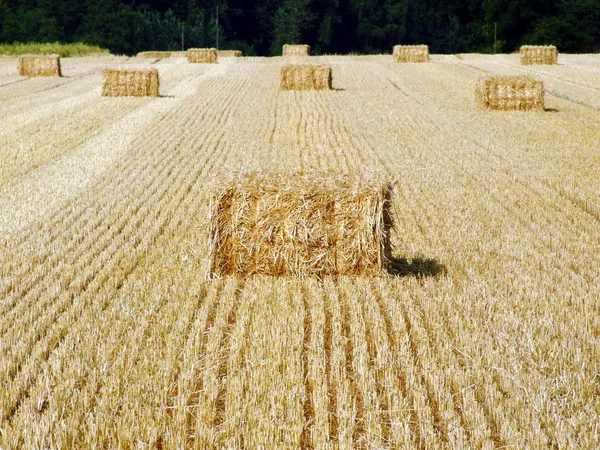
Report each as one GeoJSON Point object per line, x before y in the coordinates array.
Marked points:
{"type": "Point", "coordinates": [261, 27]}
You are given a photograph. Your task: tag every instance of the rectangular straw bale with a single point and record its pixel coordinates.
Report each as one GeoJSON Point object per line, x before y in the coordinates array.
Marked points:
{"type": "Point", "coordinates": [229, 53]}
{"type": "Point", "coordinates": [301, 224]}
{"type": "Point", "coordinates": [410, 53]}
{"type": "Point", "coordinates": [130, 82]}
{"type": "Point", "coordinates": [301, 77]}
{"type": "Point", "coordinates": [296, 50]}
{"type": "Point", "coordinates": [39, 66]}
{"type": "Point", "coordinates": [539, 54]}
{"type": "Point", "coordinates": [509, 93]}
{"type": "Point", "coordinates": [202, 55]}
{"type": "Point", "coordinates": [154, 54]}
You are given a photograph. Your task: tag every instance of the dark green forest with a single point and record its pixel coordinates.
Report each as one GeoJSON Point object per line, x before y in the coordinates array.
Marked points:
{"type": "Point", "coordinates": [261, 27]}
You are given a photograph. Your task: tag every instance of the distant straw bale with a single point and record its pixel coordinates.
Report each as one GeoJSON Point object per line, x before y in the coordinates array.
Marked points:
{"type": "Point", "coordinates": [301, 77]}
{"type": "Point", "coordinates": [39, 66]}
{"type": "Point", "coordinates": [154, 54]}
{"type": "Point", "coordinates": [509, 93]}
{"type": "Point", "coordinates": [539, 54]}
{"type": "Point", "coordinates": [229, 53]}
{"type": "Point", "coordinates": [130, 83]}
{"type": "Point", "coordinates": [202, 55]}
{"type": "Point", "coordinates": [296, 50]}
{"type": "Point", "coordinates": [301, 224]}
{"type": "Point", "coordinates": [410, 53]}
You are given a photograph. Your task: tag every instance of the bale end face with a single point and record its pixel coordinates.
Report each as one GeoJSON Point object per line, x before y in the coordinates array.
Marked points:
{"type": "Point", "coordinates": [538, 54]}
{"type": "Point", "coordinates": [301, 224]}
{"type": "Point", "coordinates": [39, 66]}
{"type": "Point", "coordinates": [130, 83]}
{"type": "Point", "coordinates": [410, 53]}
{"type": "Point", "coordinates": [509, 93]}
{"type": "Point", "coordinates": [296, 50]}
{"type": "Point", "coordinates": [302, 77]}
{"type": "Point", "coordinates": [202, 55]}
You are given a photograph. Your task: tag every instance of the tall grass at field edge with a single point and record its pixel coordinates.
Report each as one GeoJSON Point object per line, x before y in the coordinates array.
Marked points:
{"type": "Point", "coordinates": [63, 50]}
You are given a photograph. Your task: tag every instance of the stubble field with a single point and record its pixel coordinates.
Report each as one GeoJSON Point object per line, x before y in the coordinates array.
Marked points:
{"type": "Point", "coordinates": [487, 334]}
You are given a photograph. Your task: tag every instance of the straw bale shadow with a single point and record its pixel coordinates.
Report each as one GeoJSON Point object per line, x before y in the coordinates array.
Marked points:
{"type": "Point", "coordinates": [550, 110]}
{"type": "Point", "coordinates": [418, 267]}
{"type": "Point", "coordinates": [166, 96]}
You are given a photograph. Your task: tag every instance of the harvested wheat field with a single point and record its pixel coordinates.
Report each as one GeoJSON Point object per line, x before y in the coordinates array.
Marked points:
{"type": "Point", "coordinates": [484, 334]}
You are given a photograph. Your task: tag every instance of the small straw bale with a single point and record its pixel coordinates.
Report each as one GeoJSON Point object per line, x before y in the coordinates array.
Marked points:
{"type": "Point", "coordinates": [410, 53]}
{"type": "Point", "coordinates": [539, 54]}
{"type": "Point", "coordinates": [154, 54]}
{"type": "Point", "coordinates": [229, 53]}
{"type": "Point", "coordinates": [39, 66]}
{"type": "Point", "coordinates": [301, 224]}
{"type": "Point", "coordinates": [509, 93]}
{"type": "Point", "coordinates": [296, 50]}
{"type": "Point", "coordinates": [202, 55]}
{"type": "Point", "coordinates": [122, 82]}
{"type": "Point", "coordinates": [302, 77]}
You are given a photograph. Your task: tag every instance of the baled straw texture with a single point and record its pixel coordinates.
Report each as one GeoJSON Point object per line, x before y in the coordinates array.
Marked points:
{"type": "Point", "coordinates": [39, 66]}
{"type": "Point", "coordinates": [179, 54]}
{"type": "Point", "coordinates": [154, 54]}
{"type": "Point", "coordinates": [202, 55]}
{"type": "Point", "coordinates": [229, 53]}
{"type": "Point", "coordinates": [509, 93]}
{"type": "Point", "coordinates": [410, 53]}
{"type": "Point", "coordinates": [296, 50]}
{"type": "Point", "coordinates": [301, 224]}
{"type": "Point", "coordinates": [130, 83]}
{"type": "Point", "coordinates": [301, 77]}
{"type": "Point", "coordinates": [539, 54]}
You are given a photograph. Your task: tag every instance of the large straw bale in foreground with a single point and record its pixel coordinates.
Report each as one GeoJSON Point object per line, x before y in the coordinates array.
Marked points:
{"type": "Point", "coordinates": [229, 53]}
{"type": "Point", "coordinates": [301, 224]}
{"type": "Point", "coordinates": [130, 83]}
{"type": "Point", "coordinates": [296, 50]}
{"type": "Point", "coordinates": [410, 53]}
{"type": "Point", "coordinates": [516, 93]}
{"type": "Point", "coordinates": [202, 55]}
{"type": "Point", "coordinates": [539, 54]}
{"type": "Point", "coordinates": [154, 54]}
{"type": "Point", "coordinates": [301, 77]}
{"type": "Point", "coordinates": [39, 66]}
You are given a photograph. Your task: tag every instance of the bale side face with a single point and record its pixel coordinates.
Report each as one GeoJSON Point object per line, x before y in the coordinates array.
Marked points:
{"type": "Point", "coordinates": [301, 224]}
{"type": "Point", "coordinates": [39, 66]}
{"type": "Point", "coordinates": [302, 77]}
{"type": "Point", "coordinates": [154, 54]}
{"type": "Point", "coordinates": [411, 53]}
{"type": "Point", "coordinates": [296, 50]}
{"type": "Point", "coordinates": [229, 53]}
{"type": "Point", "coordinates": [202, 55]}
{"type": "Point", "coordinates": [130, 83]}
{"type": "Point", "coordinates": [538, 54]}
{"type": "Point", "coordinates": [510, 93]}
